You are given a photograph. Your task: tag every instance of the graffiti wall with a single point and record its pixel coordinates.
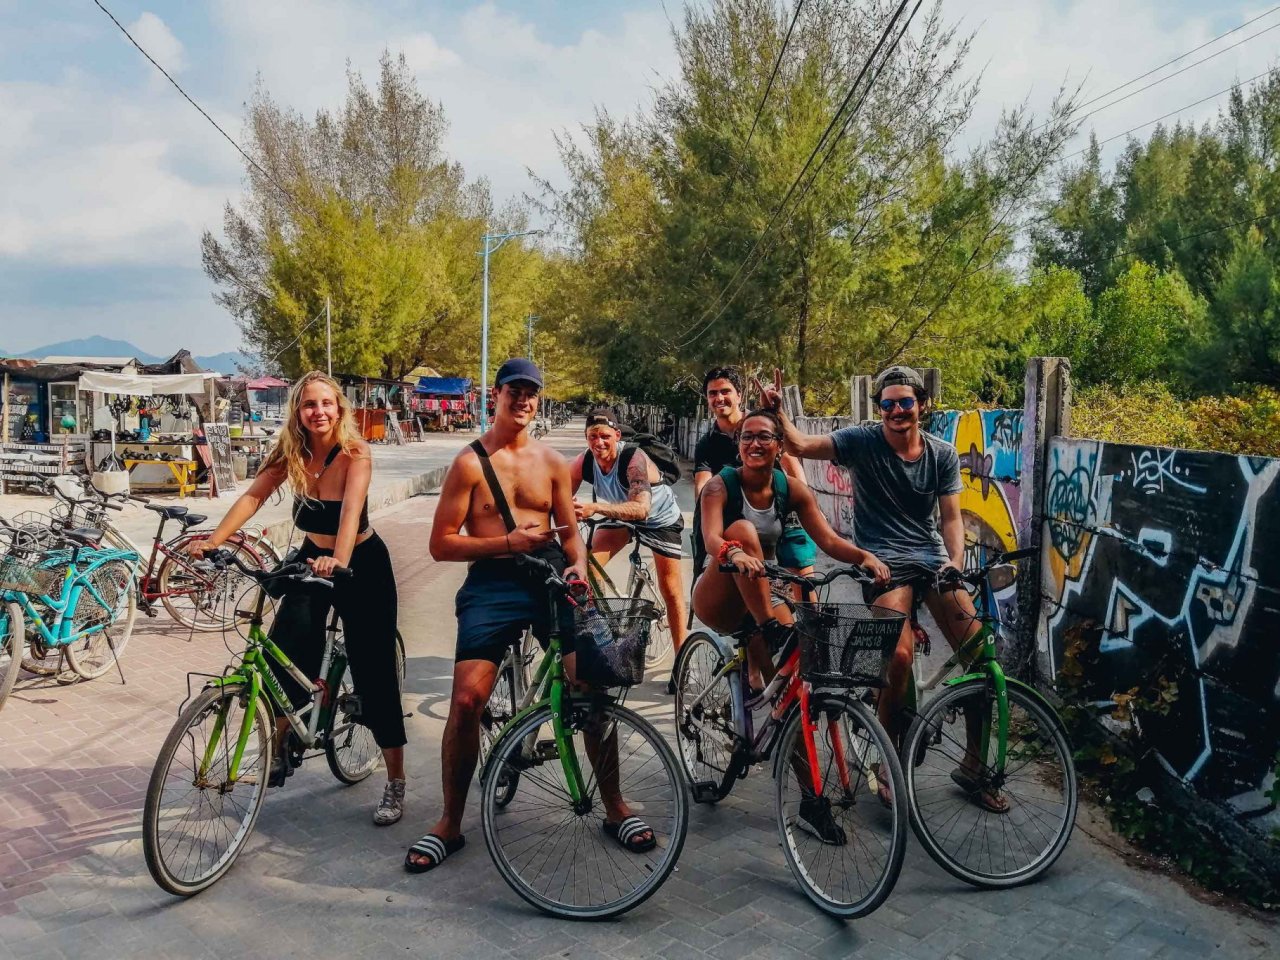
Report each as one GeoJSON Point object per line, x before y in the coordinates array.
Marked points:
{"type": "Point", "coordinates": [1169, 556]}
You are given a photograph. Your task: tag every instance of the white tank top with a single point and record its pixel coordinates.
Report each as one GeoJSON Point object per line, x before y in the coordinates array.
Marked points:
{"type": "Point", "coordinates": [768, 526]}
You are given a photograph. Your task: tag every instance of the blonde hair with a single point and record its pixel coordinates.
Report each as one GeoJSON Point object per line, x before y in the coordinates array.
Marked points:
{"type": "Point", "coordinates": [292, 449]}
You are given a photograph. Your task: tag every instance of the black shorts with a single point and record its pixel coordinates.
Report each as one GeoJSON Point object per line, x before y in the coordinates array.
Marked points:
{"type": "Point", "coordinates": [918, 578]}
{"type": "Point", "coordinates": [664, 541]}
{"type": "Point", "coordinates": [499, 599]}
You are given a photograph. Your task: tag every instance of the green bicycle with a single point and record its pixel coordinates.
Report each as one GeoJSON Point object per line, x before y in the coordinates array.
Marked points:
{"type": "Point", "coordinates": [990, 779]}
{"type": "Point", "coordinates": [546, 814]}
{"type": "Point", "coordinates": [210, 779]}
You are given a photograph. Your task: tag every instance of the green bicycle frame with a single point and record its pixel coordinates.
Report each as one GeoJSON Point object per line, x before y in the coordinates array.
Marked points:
{"type": "Point", "coordinates": [550, 682]}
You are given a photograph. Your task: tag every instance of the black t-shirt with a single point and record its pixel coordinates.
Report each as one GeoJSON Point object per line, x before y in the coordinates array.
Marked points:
{"type": "Point", "coordinates": [714, 451]}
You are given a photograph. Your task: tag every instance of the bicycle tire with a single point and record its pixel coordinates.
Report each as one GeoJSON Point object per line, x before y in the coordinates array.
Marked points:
{"type": "Point", "coordinates": [497, 714]}
{"type": "Point", "coordinates": [13, 646]}
{"type": "Point", "coordinates": [204, 609]}
{"type": "Point", "coordinates": [935, 797]}
{"type": "Point", "coordinates": [95, 654]}
{"type": "Point", "coordinates": [855, 809]}
{"type": "Point", "coordinates": [603, 891]}
{"type": "Point", "coordinates": [164, 867]}
{"type": "Point", "coordinates": [707, 763]}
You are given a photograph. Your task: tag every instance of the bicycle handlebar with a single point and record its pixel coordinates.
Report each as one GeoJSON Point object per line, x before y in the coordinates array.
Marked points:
{"type": "Point", "coordinates": [573, 589]}
{"type": "Point", "coordinates": [858, 574]}
{"type": "Point", "coordinates": [290, 571]}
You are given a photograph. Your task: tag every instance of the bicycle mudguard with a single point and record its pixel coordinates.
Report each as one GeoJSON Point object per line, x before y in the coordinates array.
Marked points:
{"type": "Point", "coordinates": [1039, 698]}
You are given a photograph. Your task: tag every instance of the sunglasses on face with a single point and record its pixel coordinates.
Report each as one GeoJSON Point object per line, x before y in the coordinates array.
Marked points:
{"type": "Point", "coordinates": [764, 437]}
{"type": "Point", "coordinates": [905, 403]}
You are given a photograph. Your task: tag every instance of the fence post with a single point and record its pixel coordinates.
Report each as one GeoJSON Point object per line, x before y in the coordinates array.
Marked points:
{"type": "Point", "coordinates": [792, 403]}
{"type": "Point", "coordinates": [932, 382]}
{"type": "Point", "coordinates": [1046, 414]}
{"type": "Point", "coordinates": [860, 397]}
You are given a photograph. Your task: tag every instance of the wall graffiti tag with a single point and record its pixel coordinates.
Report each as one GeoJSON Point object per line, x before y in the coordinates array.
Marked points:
{"type": "Point", "coordinates": [1168, 553]}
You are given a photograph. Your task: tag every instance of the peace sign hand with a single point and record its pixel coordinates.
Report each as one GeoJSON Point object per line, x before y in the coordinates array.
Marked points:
{"type": "Point", "coordinates": [771, 396]}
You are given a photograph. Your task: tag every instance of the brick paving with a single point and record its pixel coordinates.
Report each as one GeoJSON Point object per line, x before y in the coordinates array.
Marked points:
{"type": "Point", "coordinates": [318, 879]}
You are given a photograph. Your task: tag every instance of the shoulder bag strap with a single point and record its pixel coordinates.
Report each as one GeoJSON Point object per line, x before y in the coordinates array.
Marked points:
{"type": "Point", "coordinates": [733, 495]}
{"type": "Point", "coordinates": [495, 487]}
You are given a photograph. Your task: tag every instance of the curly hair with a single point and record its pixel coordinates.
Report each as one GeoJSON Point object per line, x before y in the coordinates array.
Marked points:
{"type": "Point", "coordinates": [292, 450]}
{"type": "Point", "coordinates": [769, 415]}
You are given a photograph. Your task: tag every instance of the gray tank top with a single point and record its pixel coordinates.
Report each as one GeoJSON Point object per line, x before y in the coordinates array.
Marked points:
{"type": "Point", "coordinates": [768, 526]}
{"type": "Point", "coordinates": [610, 488]}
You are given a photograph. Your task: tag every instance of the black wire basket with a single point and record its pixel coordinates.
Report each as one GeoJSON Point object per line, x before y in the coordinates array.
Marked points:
{"type": "Point", "coordinates": [22, 576]}
{"type": "Point", "coordinates": [610, 637]}
{"type": "Point", "coordinates": [846, 644]}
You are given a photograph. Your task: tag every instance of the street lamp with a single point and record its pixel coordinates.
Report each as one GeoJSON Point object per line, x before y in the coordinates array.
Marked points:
{"type": "Point", "coordinates": [492, 241]}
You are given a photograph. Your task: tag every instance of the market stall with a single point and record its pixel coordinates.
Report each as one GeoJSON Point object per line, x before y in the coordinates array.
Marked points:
{"type": "Point", "coordinates": [443, 403]}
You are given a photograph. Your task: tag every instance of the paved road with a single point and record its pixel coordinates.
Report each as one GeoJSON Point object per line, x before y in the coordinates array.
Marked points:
{"type": "Point", "coordinates": [318, 879]}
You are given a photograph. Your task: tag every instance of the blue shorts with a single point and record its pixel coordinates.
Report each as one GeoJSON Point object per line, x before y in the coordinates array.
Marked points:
{"type": "Point", "coordinates": [796, 549]}
{"type": "Point", "coordinates": [499, 599]}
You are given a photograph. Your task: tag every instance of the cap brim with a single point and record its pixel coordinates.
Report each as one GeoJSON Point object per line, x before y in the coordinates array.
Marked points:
{"type": "Point", "coordinates": [520, 378]}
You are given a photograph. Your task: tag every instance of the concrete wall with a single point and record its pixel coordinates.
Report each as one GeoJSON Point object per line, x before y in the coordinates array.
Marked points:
{"type": "Point", "coordinates": [1168, 557]}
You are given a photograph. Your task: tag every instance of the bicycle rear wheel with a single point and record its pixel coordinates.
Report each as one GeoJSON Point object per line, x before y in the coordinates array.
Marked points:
{"type": "Point", "coordinates": [13, 646]}
{"type": "Point", "coordinates": [705, 727]}
{"type": "Point", "coordinates": [204, 600]}
{"type": "Point", "coordinates": [843, 845]}
{"type": "Point", "coordinates": [555, 854]}
{"type": "Point", "coordinates": [117, 612]}
{"type": "Point", "coordinates": [196, 821]}
{"type": "Point", "coordinates": [659, 647]}
{"type": "Point", "coordinates": [953, 790]}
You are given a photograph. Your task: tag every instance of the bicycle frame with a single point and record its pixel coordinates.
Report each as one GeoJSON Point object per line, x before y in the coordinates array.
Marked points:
{"type": "Point", "coordinates": [789, 691]}
{"type": "Point", "coordinates": [74, 584]}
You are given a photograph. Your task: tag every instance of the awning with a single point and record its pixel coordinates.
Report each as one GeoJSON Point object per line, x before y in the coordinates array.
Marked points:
{"type": "Point", "coordinates": [266, 383]}
{"type": "Point", "coordinates": [141, 385]}
{"type": "Point", "coordinates": [452, 386]}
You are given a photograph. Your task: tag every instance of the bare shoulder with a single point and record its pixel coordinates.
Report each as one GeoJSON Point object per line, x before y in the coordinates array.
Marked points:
{"type": "Point", "coordinates": [360, 450]}
{"type": "Point", "coordinates": [552, 457]}
{"type": "Point", "coordinates": [715, 487]}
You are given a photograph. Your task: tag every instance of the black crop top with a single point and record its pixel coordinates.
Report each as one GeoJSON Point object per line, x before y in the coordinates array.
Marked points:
{"type": "Point", "coordinates": [322, 516]}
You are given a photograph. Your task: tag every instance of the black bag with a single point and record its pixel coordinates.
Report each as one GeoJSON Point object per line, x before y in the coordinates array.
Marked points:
{"type": "Point", "coordinates": [663, 457]}
{"type": "Point", "coordinates": [277, 587]}
{"type": "Point", "coordinates": [610, 637]}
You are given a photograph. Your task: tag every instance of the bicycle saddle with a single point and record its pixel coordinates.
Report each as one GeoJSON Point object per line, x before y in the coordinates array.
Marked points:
{"type": "Point", "coordinates": [85, 536]}
{"type": "Point", "coordinates": [169, 513]}
{"type": "Point", "coordinates": [192, 519]}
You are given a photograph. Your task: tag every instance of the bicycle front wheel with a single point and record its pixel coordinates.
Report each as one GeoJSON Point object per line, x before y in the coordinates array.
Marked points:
{"type": "Point", "coordinates": [843, 843]}
{"type": "Point", "coordinates": [706, 729]}
{"type": "Point", "coordinates": [989, 827]}
{"type": "Point", "coordinates": [196, 819]}
{"type": "Point", "coordinates": [111, 614]}
{"type": "Point", "coordinates": [13, 645]}
{"type": "Point", "coordinates": [554, 852]}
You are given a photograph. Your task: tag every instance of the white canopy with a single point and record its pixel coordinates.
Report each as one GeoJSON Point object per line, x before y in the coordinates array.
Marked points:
{"type": "Point", "coordinates": [141, 385]}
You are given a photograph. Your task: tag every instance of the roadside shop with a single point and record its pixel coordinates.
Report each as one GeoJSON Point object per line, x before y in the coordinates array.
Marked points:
{"type": "Point", "coordinates": [443, 403]}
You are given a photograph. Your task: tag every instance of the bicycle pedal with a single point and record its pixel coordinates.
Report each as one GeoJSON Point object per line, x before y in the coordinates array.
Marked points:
{"type": "Point", "coordinates": [705, 792]}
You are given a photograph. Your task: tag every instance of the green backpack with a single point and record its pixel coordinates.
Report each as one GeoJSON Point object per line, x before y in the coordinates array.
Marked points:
{"type": "Point", "coordinates": [733, 507]}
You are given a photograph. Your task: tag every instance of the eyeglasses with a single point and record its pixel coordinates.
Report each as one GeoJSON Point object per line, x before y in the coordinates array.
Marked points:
{"type": "Point", "coordinates": [905, 403]}
{"type": "Point", "coordinates": [764, 437]}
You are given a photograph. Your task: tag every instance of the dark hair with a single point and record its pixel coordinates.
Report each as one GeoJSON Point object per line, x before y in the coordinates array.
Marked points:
{"type": "Point", "coordinates": [768, 415]}
{"type": "Point", "coordinates": [722, 373]}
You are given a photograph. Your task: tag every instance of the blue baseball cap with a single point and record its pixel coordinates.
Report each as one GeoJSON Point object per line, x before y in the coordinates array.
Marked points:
{"type": "Point", "coordinates": [518, 368]}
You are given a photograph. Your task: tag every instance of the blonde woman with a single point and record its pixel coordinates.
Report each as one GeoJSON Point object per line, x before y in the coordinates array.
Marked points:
{"type": "Point", "coordinates": [326, 464]}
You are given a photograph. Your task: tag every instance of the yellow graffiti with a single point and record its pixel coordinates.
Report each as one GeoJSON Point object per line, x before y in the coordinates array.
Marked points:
{"type": "Point", "coordinates": [982, 500]}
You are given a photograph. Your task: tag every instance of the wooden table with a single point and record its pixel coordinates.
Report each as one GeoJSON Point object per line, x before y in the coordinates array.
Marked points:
{"type": "Point", "coordinates": [184, 475]}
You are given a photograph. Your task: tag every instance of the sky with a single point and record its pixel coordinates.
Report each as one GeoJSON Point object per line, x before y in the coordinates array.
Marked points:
{"type": "Point", "coordinates": [111, 177]}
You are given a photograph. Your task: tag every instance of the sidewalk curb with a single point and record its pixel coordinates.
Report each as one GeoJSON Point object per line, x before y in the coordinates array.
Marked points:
{"type": "Point", "coordinates": [424, 483]}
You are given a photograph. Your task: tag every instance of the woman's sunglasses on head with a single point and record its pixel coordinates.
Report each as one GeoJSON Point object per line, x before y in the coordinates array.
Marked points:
{"type": "Point", "coordinates": [904, 403]}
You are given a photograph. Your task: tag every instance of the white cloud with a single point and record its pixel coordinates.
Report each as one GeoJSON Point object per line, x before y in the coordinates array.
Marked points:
{"type": "Point", "coordinates": [158, 40]}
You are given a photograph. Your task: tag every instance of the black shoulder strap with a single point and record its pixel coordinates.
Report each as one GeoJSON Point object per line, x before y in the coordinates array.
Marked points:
{"type": "Point", "coordinates": [589, 468]}
{"type": "Point", "coordinates": [495, 487]}
{"type": "Point", "coordinates": [625, 457]}
{"type": "Point", "coordinates": [333, 455]}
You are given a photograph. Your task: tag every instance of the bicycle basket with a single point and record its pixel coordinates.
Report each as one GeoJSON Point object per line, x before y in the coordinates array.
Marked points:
{"type": "Point", "coordinates": [33, 530]}
{"type": "Point", "coordinates": [24, 577]}
{"type": "Point", "coordinates": [611, 634]}
{"type": "Point", "coordinates": [111, 582]}
{"type": "Point", "coordinates": [846, 644]}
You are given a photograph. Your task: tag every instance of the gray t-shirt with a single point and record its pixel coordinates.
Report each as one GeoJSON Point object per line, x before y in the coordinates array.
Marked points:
{"type": "Point", "coordinates": [894, 502]}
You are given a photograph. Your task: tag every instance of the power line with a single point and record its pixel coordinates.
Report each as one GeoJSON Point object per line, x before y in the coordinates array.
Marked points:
{"type": "Point", "coordinates": [1181, 56]}
{"type": "Point", "coordinates": [773, 76]}
{"type": "Point", "coordinates": [836, 118]}
{"type": "Point", "coordinates": [1171, 113]}
{"type": "Point", "coordinates": [177, 86]}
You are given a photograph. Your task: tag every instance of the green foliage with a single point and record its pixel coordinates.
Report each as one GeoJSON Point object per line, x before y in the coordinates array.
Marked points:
{"type": "Point", "coordinates": [379, 221]}
{"type": "Point", "coordinates": [891, 251]}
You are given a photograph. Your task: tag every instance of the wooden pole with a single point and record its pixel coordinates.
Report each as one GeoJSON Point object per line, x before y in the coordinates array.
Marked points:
{"type": "Point", "coordinates": [6, 406]}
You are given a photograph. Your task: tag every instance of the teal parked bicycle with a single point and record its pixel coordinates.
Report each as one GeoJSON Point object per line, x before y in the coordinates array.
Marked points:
{"type": "Point", "coordinates": [76, 603]}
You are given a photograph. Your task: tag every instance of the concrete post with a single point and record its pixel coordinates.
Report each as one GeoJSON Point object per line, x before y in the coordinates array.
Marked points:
{"type": "Point", "coordinates": [933, 383]}
{"type": "Point", "coordinates": [1046, 414]}
{"type": "Point", "coordinates": [792, 403]}
{"type": "Point", "coordinates": [860, 398]}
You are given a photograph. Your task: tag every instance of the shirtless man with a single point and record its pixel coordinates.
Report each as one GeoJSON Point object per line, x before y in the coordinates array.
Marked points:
{"type": "Point", "coordinates": [500, 598]}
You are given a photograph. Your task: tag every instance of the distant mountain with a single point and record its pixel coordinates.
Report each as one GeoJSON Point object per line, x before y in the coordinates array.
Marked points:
{"type": "Point", "coordinates": [224, 362]}
{"type": "Point", "coordinates": [93, 347]}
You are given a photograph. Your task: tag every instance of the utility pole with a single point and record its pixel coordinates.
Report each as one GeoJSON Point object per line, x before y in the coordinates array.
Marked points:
{"type": "Point", "coordinates": [328, 336]}
{"type": "Point", "coordinates": [531, 319]}
{"type": "Point", "coordinates": [492, 241]}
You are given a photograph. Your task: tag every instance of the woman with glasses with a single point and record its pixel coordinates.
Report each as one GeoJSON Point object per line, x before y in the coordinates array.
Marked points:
{"type": "Point", "coordinates": [742, 517]}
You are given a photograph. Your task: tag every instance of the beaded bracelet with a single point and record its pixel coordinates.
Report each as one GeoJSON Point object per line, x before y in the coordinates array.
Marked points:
{"type": "Point", "coordinates": [725, 547]}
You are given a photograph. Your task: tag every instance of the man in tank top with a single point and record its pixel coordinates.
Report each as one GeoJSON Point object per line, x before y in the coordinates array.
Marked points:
{"type": "Point", "coordinates": [627, 486]}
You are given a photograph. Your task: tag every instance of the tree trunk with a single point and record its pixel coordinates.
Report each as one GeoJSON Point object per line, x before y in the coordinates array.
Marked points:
{"type": "Point", "coordinates": [802, 326]}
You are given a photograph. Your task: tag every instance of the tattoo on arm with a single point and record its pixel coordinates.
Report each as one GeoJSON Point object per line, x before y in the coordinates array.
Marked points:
{"type": "Point", "coordinates": [638, 475]}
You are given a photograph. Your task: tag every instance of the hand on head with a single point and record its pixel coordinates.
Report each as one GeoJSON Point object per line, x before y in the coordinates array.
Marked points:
{"type": "Point", "coordinates": [770, 396]}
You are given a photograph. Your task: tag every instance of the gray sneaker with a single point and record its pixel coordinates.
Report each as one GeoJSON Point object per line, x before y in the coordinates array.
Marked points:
{"type": "Point", "coordinates": [391, 806]}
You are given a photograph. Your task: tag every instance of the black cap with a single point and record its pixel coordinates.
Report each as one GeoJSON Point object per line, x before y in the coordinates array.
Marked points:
{"type": "Point", "coordinates": [601, 416]}
{"type": "Point", "coordinates": [518, 368]}
{"type": "Point", "coordinates": [894, 376]}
